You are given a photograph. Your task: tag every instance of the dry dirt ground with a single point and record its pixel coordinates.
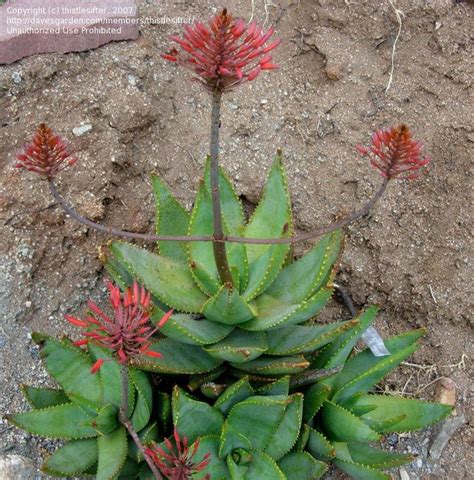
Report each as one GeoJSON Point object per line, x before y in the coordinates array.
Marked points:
{"type": "Point", "coordinates": [411, 255]}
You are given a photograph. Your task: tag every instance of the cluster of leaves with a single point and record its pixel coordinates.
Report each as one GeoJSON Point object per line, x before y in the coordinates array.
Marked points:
{"type": "Point", "coordinates": [245, 368]}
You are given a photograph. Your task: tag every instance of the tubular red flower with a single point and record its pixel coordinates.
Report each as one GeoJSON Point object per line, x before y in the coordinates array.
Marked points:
{"type": "Point", "coordinates": [47, 154]}
{"type": "Point", "coordinates": [395, 154]}
{"type": "Point", "coordinates": [226, 53]}
{"type": "Point", "coordinates": [178, 463]}
{"type": "Point", "coordinates": [128, 331]}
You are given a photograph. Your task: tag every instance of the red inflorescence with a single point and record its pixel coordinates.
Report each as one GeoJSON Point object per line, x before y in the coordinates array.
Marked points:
{"type": "Point", "coordinates": [178, 463]}
{"type": "Point", "coordinates": [47, 154]}
{"type": "Point", "coordinates": [127, 333]}
{"type": "Point", "coordinates": [226, 54]}
{"type": "Point", "coordinates": [395, 154]}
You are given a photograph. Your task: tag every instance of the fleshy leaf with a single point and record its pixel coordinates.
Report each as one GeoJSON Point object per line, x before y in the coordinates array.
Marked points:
{"type": "Point", "coordinates": [217, 469]}
{"type": "Point", "coordinates": [144, 404]}
{"type": "Point", "coordinates": [288, 429]}
{"type": "Point", "coordinates": [266, 365]}
{"type": "Point", "coordinates": [367, 455]}
{"type": "Point", "coordinates": [177, 358]}
{"type": "Point", "coordinates": [360, 472]}
{"type": "Point", "coordinates": [314, 398]}
{"type": "Point", "coordinates": [72, 459]}
{"type": "Point", "coordinates": [164, 277]}
{"type": "Point", "coordinates": [234, 394]}
{"type": "Point", "coordinates": [280, 387]}
{"type": "Point", "coordinates": [231, 439]}
{"type": "Point", "coordinates": [194, 419]}
{"type": "Point", "coordinates": [263, 466]}
{"type": "Point", "coordinates": [342, 425]}
{"type": "Point", "coordinates": [239, 346]}
{"type": "Point", "coordinates": [228, 307]}
{"type": "Point", "coordinates": [417, 414]}
{"type": "Point", "coordinates": [301, 466]}
{"type": "Point", "coordinates": [171, 219]}
{"type": "Point", "coordinates": [106, 420]}
{"type": "Point", "coordinates": [44, 397]}
{"type": "Point", "coordinates": [319, 446]}
{"type": "Point", "coordinates": [299, 339]}
{"type": "Point", "coordinates": [112, 454]}
{"type": "Point", "coordinates": [62, 421]}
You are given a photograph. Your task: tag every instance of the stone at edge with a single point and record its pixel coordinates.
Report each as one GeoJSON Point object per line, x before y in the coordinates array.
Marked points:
{"type": "Point", "coordinates": [13, 47]}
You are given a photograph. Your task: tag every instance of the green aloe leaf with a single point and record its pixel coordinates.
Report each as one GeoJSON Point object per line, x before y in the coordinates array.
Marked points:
{"type": "Point", "coordinates": [342, 425]}
{"type": "Point", "coordinates": [231, 439]}
{"type": "Point", "coordinates": [144, 404]}
{"type": "Point", "coordinates": [217, 469]}
{"type": "Point", "coordinates": [256, 418]}
{"type": "Point", "coordinates": [373, 457]}
{"type": "Point", "coordinates": [112, 454]}
{"type": "Point", "coordinates": [280, 387]}
{"type": "Point", "coordinates": [70, 367]}
{"type": "Point", "coordinates": [272, 313]}
{"type": "Point", "coordinates": [337, 352]}
{"type": "Point", "coordinates": [301, 466]}
{"type": "Point", "coordinates": [302, 441]}
{"type": "Point", "coordinates": [299, 339]}
{"type": "Point", "coordinates": [171, 219]}
{"type": "Point", "coordinates": [194, 419]}
{"type": "Point", "coordinates": [319, 446]}
{"type": "Point", "coordinates": [130, 470]}
{"type": "Point", "coordinates": [185, 329]}
{"type": "Point", "coordinates": [106, 420]}
{"type": "Point", "coordinates": [67, 421]}
{"type": "Point", "coordinates": [302, 278]}
{"type": "Point", "coordinates": [412, 414]}
{"type": "Point", "coordinates": [288, 429]}
{"type": "Point", "coordinates": [72, 459]}
{"type": "Point", "coordinates": [168, 279]}
{"type": "Point", "coordinates": [228, 307]}
{"type": "Point", "coordinates": [43, 397]}
{"type": "Point", "coordinates": [177, 358]}
{"type": "Point", "coordinates": [314, 398]}
{"type": "Point", "coordinates": [195, 381]}
{"type": "Point", "coordinates": [263, 466]}
{"type": "Point", "coordinates": [266, 365]}
{"type": "Point", "coordinates": [117, 271]}
{"type": "Point", "coordinates": [234, 394]}
{"type": "Point", "coordinates": [360, 472]}
{"type": "Point", "coordinates": [239, 346]}
{"type": "Point", "coordinates": [163, 406]}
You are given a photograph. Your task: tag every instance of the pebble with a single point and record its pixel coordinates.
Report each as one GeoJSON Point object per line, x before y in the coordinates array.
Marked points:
{"type": "Point", "coordinates": [14, 467]}
{"type": "Point", "coordinates": [81, 130]}
{"type": "Point", "coordinates": [17, 78]}
{"type": "Point", "coordinates": [132, 80]}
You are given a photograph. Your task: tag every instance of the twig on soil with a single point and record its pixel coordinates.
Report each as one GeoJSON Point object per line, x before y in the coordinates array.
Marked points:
{"type": "Point", "coordinates": [23, 212]}
{"type": "Point", "coordinates": [432, 295]}
{"type": "Point", "coordinates": [399, 13]}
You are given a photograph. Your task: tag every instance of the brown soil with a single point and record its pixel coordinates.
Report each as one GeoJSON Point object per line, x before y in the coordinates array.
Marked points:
{"type": "Point", "coordinates": [411, 255]}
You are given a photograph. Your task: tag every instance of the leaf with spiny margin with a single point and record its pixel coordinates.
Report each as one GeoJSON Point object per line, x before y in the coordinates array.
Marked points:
{"type": "Point", "coordinates": [67, 421]}
{"type": "Point", "coordinates": [300, 339]}
{"type": "Point", "coordinates": [314, 398]}
{"type": "Point", "coordinates": [112, 454]}
{"type": "Point", "coordinates": [117, 271]}
{"type": "Point", "coordinates": [201, 254]}
{"type": "Point", "coordinates": [340, 424]}
{"type": "Point", "coordinates": [43, 397]}
{"type": "Point", "coordinates": [185, 329]}
{"type": "Point", "coordinates": [147, 435]}
{"type": "Point", "coordinates": [171, 219]}
{"type": "Point", "coordinates": [228, 307]}
{"type": "Point", "coordinates": [216, 468]}
{"type": "Point", "coordinates": [257, 418]}
{"type": "Point", "coordinates": [212, 390]}
{"type": "Point", "coordinates": [288, 429]}
{"type": "Point", "coordinates": [367, 455]}
{"type": "Point", "coordinates": [280, 387]}
{"type": "Point", "coordinates": [237, 392]}
{"type": "Point", "coordinates": [301, 466]}
{"type": "Point", "coordinates": [195, 381]}
{"type": "Point", "coordinates": [162, 276]}
{"type": "Point", "coordinates": [238, 347]}
{"type": "Point", "coordinates": [319, 446]}
{"type": "Point", "coordinates": [72, 459]}
{"type": "Point", "coordinates": [177, 358]}
{"type": "Point", "coordinates": [231, 439]}
{"type": "Point", "coordinates": [364, 370]}
{"type": "Point", "coordinates": [144, 404]}
{"type": "Point", "coordinates": [262, 467]}
{"type": "Point", "coordinates": [273, 314]}
{"type": "Point", "coordinates": [266, 365]}
{"type": "Point", "coordinates": [302, 441]}
{"type": "Point", "coordinates": [194, 419]}
{"type": "Point", "coordinates": [360, 472]}
{"type": "Point", "coordinates": [164, 410]}
{"type": "Point", "coordinates": [106, 420]}
{"type": "Point", "coordinates": [130, 469]}
{"type": "Point", "coordinates": [305, 276]}
{"type": "Point", "coordinates": [416, 413]}
{"type": "Point", "coordinates": [71, 368]}
{"type": "Point", "coordinates": [337, 352]}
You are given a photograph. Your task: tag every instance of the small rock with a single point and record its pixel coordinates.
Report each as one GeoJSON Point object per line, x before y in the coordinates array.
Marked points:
{"type": "Point", "coordinates": [334, 71]}
{"type": "Point", "coordinates": [14, 467]}
{"type": "Point", "coordinates": [17, 78]}
{"type": "Point", "coordinates": [132, 80]}
{"type": "Point", "coordinates": [3, 342]}
{"type": "Point", "coordinates": [28, 304]}
{"type": "Point", "coordinates": [448, 429]}
{"type": "Point", "coordinates": [264, 101]}
{"type": "Point", "coordinates": [79, 131]}
{"type": "Point", "coordinates": [446, 391]}
{"type": "Point", "coordinates": [403, 474]}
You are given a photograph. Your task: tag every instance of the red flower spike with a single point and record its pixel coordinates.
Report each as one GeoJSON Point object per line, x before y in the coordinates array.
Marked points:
{"type": "Point", "coordinates": [127, 332]}
{"type": "Point", "coordinates": [225, 54]}
{"type": "Point", "coordinates": [47, 154]}
{"type": "Point", "coordinates": [96, 367]}
{"type": "Point", "coordinates": [395, 154]}
{"type": "Point", "coordinates": [179, 462]}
